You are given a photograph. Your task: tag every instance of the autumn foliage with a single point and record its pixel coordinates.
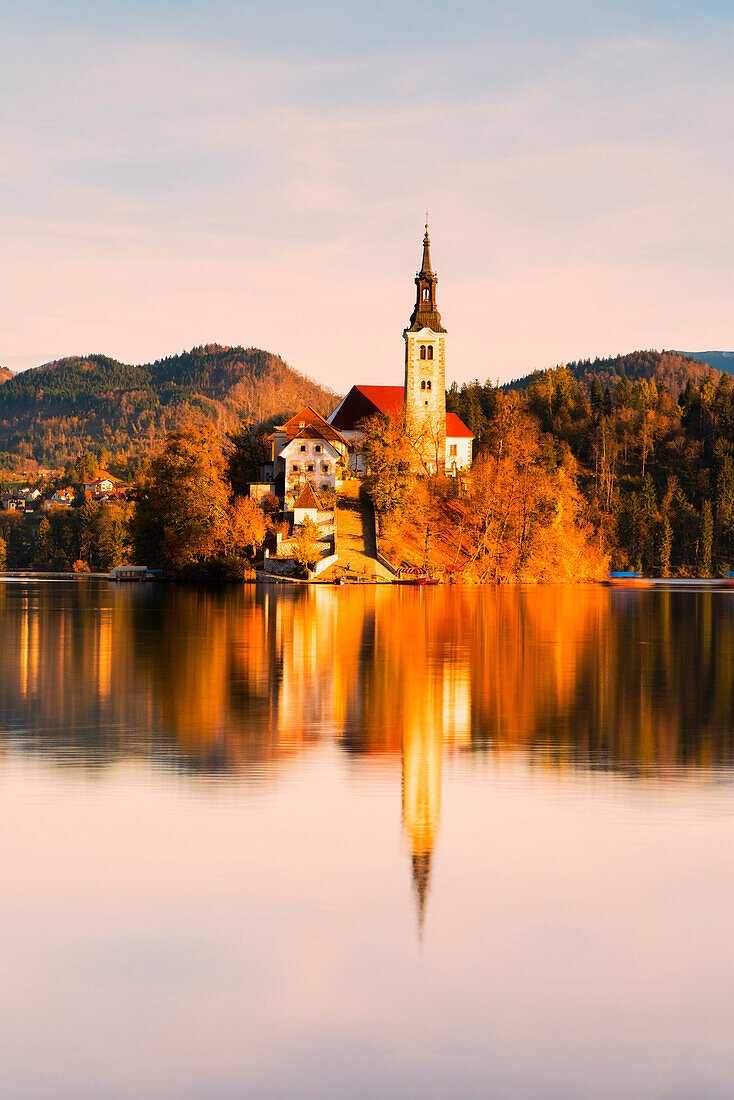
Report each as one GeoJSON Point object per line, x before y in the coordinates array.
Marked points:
{"type": "Point", "coordinates": [186, 520]}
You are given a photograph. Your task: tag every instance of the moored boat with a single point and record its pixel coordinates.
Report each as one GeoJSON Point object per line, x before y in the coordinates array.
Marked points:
{"type": "Point", "coordinates": [132, 573]}
{"type": "Point", "coordinates": [628, 579]}
{"type": "Point", "coordinates": [410, 574]}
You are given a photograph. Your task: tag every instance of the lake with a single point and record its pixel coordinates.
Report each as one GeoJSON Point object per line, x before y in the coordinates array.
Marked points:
{"type": "Point", "coordinates": [316, 842]}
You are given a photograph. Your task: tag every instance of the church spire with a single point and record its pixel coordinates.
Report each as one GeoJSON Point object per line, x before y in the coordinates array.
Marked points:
{"type": "Point", "coordinates": [425, 314]}
{"type": "Point", "coordinates": [426, 265]}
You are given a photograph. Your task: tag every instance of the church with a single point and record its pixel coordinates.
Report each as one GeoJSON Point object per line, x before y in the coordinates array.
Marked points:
{"type": "Point", "coordinates": [311, 449]}
{"type": "Point", "coordinates": [440, 440]}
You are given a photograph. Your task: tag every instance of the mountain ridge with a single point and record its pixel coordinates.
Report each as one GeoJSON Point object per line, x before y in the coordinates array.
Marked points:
{"type": "Point", "coordinates": [48, 414]}
{"type": "Point", "coordinates": [670, 370]}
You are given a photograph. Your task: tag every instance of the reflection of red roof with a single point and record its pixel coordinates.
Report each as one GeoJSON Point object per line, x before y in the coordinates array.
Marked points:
{"type": "Point", "coordinates": [456, 428]}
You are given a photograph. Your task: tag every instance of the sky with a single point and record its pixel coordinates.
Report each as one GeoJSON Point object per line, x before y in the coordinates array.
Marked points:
{"type": "Point", "coordinates": [183, 172]}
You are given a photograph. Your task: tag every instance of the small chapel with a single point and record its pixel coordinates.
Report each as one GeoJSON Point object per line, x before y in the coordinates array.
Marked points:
{"type": "Point", "coordinates": [440, 440]}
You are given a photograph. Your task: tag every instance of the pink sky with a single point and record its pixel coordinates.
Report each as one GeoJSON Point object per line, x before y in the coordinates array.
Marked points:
{"type": "Point", "coordinates": [172, 175]}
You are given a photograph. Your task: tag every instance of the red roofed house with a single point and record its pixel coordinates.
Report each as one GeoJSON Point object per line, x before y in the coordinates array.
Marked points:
{"type": "Point", "coordinates": [440, 439]}
{"type": "Point", "coordinates": [305, 450]}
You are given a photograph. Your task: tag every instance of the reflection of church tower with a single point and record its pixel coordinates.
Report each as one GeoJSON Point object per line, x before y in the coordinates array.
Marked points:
{"type": "Point", "coordinates": [422, 749]}
{"type": "Point", "coordinates": [425, 368]}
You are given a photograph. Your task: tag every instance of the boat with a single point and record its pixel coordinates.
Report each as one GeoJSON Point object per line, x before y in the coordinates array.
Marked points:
{"type": "Point", "coordinates": [628, 579]}
{"type": "Point", "coordinates": [410, 574]}
{"type": "Point", "coordinates": [133, 573]}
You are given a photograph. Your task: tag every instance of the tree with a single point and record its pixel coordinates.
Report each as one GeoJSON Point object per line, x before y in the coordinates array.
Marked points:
{"type": "Point", "coordinates": [387, 455]}
{"type": "Point", "coordinates": [248, 525]}
{"type": "Point", "coordinates": [113, 545]}
{"type": "Point", "coordinates": [666, 546]}
{"type": "Point", "coordinates": [88, 530]}
{"type": "Point", "coordinates": [246, 452]}
{"type": "Point", "coordinates": [44, 544]}
{"type": "Point", "coordinates": [305, 544]}
{"type": "Point", "coordinates": [181, 518]}
{"type": "Point", "coordinates": [3, 555]}
{"type": "Point", "coordinates": [707, 538]}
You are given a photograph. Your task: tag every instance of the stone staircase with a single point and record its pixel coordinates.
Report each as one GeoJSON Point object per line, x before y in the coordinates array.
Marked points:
{"type": "Point", "coordinates": [356, 542]}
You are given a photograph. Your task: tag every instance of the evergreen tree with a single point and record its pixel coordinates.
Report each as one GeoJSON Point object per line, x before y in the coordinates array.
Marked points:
{"type": "Point", "coordinates": [706, 539]}
{"type": "Point", "coordinates": [666, 547]}
{"type": "Point", "coordinates": [44, 544]}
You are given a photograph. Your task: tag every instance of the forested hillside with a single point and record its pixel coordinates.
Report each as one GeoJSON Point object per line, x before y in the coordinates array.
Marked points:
{"type": "Point", "coordinates": [49, 414]}
{"type": "Point", "coordinates": [719, 360]}
{"type": "Point", "coordinates": [5, 374]}
{"type": "Point", "coordinates": [652, 439]}
{"type": "Point", "coordinates": [670, 370]}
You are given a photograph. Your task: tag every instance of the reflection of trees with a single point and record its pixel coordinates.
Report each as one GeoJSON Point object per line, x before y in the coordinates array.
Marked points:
{"type": "Point", "coordinates": [244, 677]}
{"type": "Point", "coordinates": [238, 680]}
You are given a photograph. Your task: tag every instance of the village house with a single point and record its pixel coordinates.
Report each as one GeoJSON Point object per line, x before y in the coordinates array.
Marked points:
{"type": "Point", "coordinates": [9, 502]}
{"type": "Point", "coordinates": [440, 440]}
{"type": "Point", "coordinates": [98, 487]}
{"type": "Point", "coordinates": [63, 497]}
{"type": "Point", "coordinates": [306, 449]}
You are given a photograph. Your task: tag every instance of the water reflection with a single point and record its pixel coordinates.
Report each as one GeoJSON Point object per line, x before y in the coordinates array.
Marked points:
{"type": "Point", "coordinates": [236, 682]}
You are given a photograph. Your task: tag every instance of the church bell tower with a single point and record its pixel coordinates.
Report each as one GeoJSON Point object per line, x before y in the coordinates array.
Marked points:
{"type": "Point", "coordinates": [425, 371]}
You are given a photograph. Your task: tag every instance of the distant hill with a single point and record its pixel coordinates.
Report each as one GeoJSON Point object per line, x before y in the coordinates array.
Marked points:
{"type": "Point", "coordinates": [6, 373]}
{"type": "Point", "coordinates": [719, 360]}
{"type": "Point", "coordinates": [49, 414]}
{"type": "Point", "coordinates": [670, 370]}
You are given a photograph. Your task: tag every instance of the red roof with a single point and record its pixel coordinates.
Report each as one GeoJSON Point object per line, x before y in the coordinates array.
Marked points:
{"type": "Point", "coordinates": [307, 499]}
{"type": "Point", "coordinates": [311, 421]}
{"type": "Point", "coordinates": [456, 428]}
{"type": "Point", "coordinates": [364, 401]}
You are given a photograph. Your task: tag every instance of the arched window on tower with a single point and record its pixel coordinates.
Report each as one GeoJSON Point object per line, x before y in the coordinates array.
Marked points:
{"type": "Point", "coordinates": [423, 351]}
{"type": "Point", "coordinates": [425, 294]}
{"type": "Point", "coordinates": [428, 384]}
{"type": "Point", "coordinates": [423, 385]}
{"type": "Point", "coordinates": [429, 352]}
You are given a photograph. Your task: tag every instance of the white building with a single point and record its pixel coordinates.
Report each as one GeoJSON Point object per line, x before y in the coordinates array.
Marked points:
{"type": "Point", "coordinates": [305, 450]}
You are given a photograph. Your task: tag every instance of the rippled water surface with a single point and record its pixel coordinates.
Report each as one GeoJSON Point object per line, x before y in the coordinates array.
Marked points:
{"type": "Point", "coordinates": [332, 843]}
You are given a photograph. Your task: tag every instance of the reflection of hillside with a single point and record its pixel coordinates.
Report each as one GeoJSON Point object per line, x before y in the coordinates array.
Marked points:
{"type": "Point", "coordinates": [244, 678]}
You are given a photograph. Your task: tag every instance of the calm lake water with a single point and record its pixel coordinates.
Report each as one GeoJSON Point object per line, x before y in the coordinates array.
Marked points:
{"type": "Point", "coordinates": [333, 843]}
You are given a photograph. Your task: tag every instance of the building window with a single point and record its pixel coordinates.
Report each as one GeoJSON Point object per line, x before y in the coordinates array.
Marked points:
{"type": "Point", "coordinates": [423, 351]}
{"type": "Point", "coordinates": [317, 448]}
{"type": "Point", "coordinates": [428, 384]}
{"type": "Point", "coordinates": [423, 385]}
{"type": "Point", "coordinates": [309, 469]}
{"type": "Point", "coordinates": [302, 448]}
{"type": "Point", "coordinates": [429, 353]}
{"type": "Point", "coordinates": [325, 468]}
{"type": "Point", "coordinates": [452, 450]}
{"type": "Point", "coordinates": [425, 403]}
{"type": "Point", "coordinates": [325, 485]}
{"type": "Point", "coordinates": [425, 295]}
{"type": "Point", "coordinates": [294, 469]}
